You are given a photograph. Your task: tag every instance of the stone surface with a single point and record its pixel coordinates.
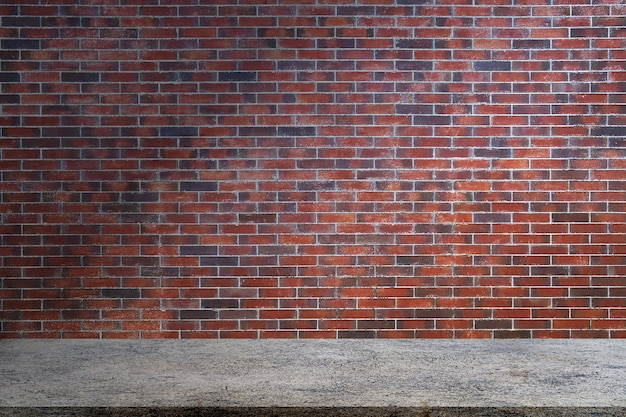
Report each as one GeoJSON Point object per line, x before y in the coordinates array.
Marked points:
{"type": "Point", "coordinates": [434, 376]}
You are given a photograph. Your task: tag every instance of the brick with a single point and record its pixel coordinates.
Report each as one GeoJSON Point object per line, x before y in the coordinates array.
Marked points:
{"type": "Point", "coordinates": [121, 293]}
{"type": "Point", "coordinates": [198, 250]}
{"type": "Point", "coordinates": [495, 66]}
{"type": "Point", "coordinates": [571, 217]}
{"type": "Point", "coordinates": [20, 44]}
{"type": "Point", "coordinates": [237, 76]}
{"type": "Point", "coordinates": [257, 218]}
{"type": "Point", "coordinates": [198, 186]}
{"type": "Point", "coordinates": [178, 131]}
{"type": "Point", "coordinates": [218, 261]}
{"type": "Point", "coordinates": [296, 131]}
{"type": "Point", "coordinates": [80, 77]}
{"type": "Point", "coordinates": [608, 130]}
{"type": "Point", "coordinates": [197, 315]}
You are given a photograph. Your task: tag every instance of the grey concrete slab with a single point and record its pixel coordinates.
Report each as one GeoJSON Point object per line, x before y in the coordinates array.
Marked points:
{"type": "Point", "coordinates": [382, 374]}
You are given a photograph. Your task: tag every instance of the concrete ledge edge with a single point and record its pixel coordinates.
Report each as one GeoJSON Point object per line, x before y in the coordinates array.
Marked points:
{"type": "Point", "coordinates": [312, 411]}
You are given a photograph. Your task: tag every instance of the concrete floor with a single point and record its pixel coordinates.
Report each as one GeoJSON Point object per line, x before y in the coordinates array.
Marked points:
{"type": "Point", "coordinates": [417, 378]}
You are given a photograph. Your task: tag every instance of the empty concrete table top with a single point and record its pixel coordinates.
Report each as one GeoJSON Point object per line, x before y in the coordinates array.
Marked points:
{"type": "Point", "coordinates": [409, 375]}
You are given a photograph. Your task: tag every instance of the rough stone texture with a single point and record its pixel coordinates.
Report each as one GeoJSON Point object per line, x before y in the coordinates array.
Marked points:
{"type": "Point", "coordinates": [312, 378]}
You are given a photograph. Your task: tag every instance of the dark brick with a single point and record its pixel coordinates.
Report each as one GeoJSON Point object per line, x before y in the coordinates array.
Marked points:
{"type": "Point", "coordinates": [597, 32]}
{"type": "Point", "coordinates": [8, 56]}
{"type": "Point", "coordinates": [20, 44]}
{"type": "Point", "coordinates": [218, 109]}
{"type": "Point", "coordinates": [174, 131]}
{"type": "Point", "coordinates": [570, 217]}
{"type": "Point", "coordinates": [197, 314]}
{"type": "Point", "coordinates": [493, 153]}
{"type": "Point", "coordinates": [167, 66]}
{"type": "Point", "coordinates": [549, 270]}
{"type": "Point", "coordinates": [198, 250]}
{"type": "Point", "coordinates": [445, 43]}
{"type": "Point", "coordinates": [139, 197]}
{"type": "Point", "coordinates": [65, 21]}
{"type": "Point", "coordinates": [121, 208]}
{"type": "Point", "coordinates": [296, 66]}
{"type": "Point", "coordinates": [316, 185]}
{"type": "Point", "coordinates": [492, 66]}
{"type": "Point", "coordinates": [289, 98]}
{"type": "Point", "coordinates": [492, 217]}
{"type": "Point", "coordinates": [198, 186]}
{"type": "Point", "coordinates": [257, 131]}
{"type": "Point", "coordinates": [356, 334]}
{"type": "Point", "coordinates": [121, 293]}
{"type": "Point", "coordinates": [617, 185]}
{"type": "Point", "coordinates": [531, 44]}
{"type": "Point", "coordinates": [493, 324]}
{"type": "Point", "coordinates": [80, 77]}
{"type": "Point", "coordinates": [425, 313]}
{"type": "Point", "coordinates": [61, 132]}
{"type": "Point", "coordinates": [9, 99]}
{"type": "Point", "coordinates": [617, 142]}
{"type": "Point", "coordinates": [415, 260]}
{"type": "Point", "coordinates": [237, 76]}
{"type": "Point", "coordinates": [220, 303]}
{"type": "Point", "coordinates": [423, 109]}
{"type": "Point", "coordinates": [356, 10]}
{"type": "Point", "coordinates": [219, 261]}
{"type": "Point", "coordinates": [512, 334]}
{"type": "Point", "coordinates": [576, 153]}
{"type": "Point", "coordinates": [297, 131]}
{"type": "Point", "coordinates": [563, 98]}
{"type": "Point", "coordinates": [9, 77]}
{"type": "Point", "coordinates": [376, 324]}
{"type": "Point", "coordinates": [432, 120]}
{"type": "Point", "coordinates": [140, 260]}
{"type": "Point", "coordinates": [21, 21]}
{"type": "Point", "coordinates": [589, 292]}
{"type": "Point", "coordinates": [608, 131]}
{"type": "Point", "coordinates": [414, 43]}
{"type": "Point", "coordinates": [414, 65]}
{"type": "Point", "coordinates": [570, 174]}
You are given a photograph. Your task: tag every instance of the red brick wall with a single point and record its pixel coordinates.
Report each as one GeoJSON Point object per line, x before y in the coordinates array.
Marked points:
{"type": "Point", "coordinates": [313, 168]}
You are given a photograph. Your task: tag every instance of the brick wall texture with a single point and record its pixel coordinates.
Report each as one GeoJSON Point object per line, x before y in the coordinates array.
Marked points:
{"type": "Point", "coordinates": [313, 169]}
